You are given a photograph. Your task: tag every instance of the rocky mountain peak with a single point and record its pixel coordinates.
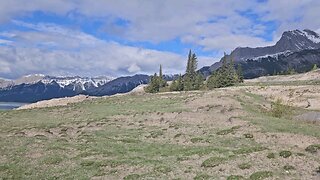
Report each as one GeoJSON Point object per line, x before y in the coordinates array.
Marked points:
{"type": "Point", "coordinates": [299, 48]}
{"type": "Point", "coordinates": [296, 40]}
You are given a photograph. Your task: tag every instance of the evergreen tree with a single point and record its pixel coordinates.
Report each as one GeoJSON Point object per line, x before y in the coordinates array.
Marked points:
{"type": "Point", "coordinates": [191, 80]}
{"type": "Point", "coordinates": [191, 74]}
{"type": "Point", "coordinates": [198, 82]}
{"type": "Point", "coordinates": [180, 83]}
{"type": "Point", "coordinates": [314, 67]}
{"type": "Point", "coordinates": [187, 83]}
{"type": "Point", "coordinates": [240, 73]}
{"type": "Point", "coordinates": [225, 76]}
{"type": "Point", "coordinates": [213, 81]}
{"type": "Point", "coordinates": [177, 85]}
{"type": "Point", "coordinates": [160, 72]}
{"type": "Point", "coordinates": [162, 82]}
{"type": "Point", "coordinates": [291, 71]}
{"type": "Point", "coordinates": [232, 73]}
{"type": "Point", "coordinates": [174, 85]}
{"type": "Point", "coordinates": [189, 63]}
{"type": "Point", "coordinates": [154, 85]}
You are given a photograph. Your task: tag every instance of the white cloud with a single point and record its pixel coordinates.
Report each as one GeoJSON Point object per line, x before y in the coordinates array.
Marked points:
{"type": "Point", "coordinates": [78, 53]}
{"type": "Point", "coordinates": [291, 14]}
{"type": "Point", "coordinates": [134, 68]}
{"type": "Point", "coordinates": [214, 25]}
{"type": "Point", "coordinates": [5, 42]}
{"type": "Point", "coordinates": [110, 59]}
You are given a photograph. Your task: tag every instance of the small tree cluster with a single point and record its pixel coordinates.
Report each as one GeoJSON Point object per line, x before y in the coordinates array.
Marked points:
{"type": "Point", "coordinates": [156, 82]}
{"type": "Point", "coordinates": [192, 80]}
{"type": "Point", "coordinates": [177, 85]}
{"type": "Point", "coordinates": [315, 67]}
{"type": "Point", "coordinates": [289, 71]}
{"type": "Point", "coordinates": [226, 75]}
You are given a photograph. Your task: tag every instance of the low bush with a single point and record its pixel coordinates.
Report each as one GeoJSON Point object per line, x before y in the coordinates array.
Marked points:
{"type": "Point", "coordinates": [278, 109]}
{"type": "Point", "coordinates": [235, 177]}
{"type": "Point", "coordinates": [244, 166]}
{"type": "Point", "coordinates": [271, 156]}
{"type": "Point", "coordinates": [313, 148]}
{"type": "Point", "coordinates": [213, 162]}
{"type": "Point", "coordinates": [261, 175]}
{"type": "Point", "coordinates": [285, 154]}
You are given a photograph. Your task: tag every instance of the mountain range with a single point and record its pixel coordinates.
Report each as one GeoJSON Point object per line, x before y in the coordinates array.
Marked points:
{"type": "Point", "coordinates": [33, 88]}
{"type": "Point", "coordinates": [296, 49]}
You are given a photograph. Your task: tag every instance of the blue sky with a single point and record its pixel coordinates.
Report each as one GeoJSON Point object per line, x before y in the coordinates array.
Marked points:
{"type": "Point", "coordinates": [121, 37]}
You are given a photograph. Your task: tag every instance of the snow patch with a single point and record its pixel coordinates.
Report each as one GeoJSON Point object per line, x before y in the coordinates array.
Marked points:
{"type": "Point", "coordinates": [77, 81]}
{"type": "Point", "coordinates": [276, 55]}
{"type": "Point", "coordinates": [312, 38]}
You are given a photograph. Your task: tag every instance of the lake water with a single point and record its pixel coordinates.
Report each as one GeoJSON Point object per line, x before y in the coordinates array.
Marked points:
{"type": "Point", "coordinates": [10, 105]}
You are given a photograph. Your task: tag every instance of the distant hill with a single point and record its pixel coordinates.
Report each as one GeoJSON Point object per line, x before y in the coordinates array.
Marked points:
{"type": "Point", "coordinates": [296, 49]}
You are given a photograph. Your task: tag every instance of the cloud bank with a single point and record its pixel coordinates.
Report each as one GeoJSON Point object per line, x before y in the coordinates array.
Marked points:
{"type": "Point", "coordinates": [208, 26]}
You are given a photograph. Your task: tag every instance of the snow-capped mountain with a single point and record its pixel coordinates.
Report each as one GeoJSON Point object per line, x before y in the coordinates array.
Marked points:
{"type": "Point", "coordinates": [34, 88]}
{"type": "Point", "coordinates": [81, 83]}
{"type": "Point", "coordinates": [297, 49]}
{"type": "Point", "coordinates": [77, 82]}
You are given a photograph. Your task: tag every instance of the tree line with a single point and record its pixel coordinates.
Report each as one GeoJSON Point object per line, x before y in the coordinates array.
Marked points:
{"type": "Point", "coordinates": [226, 75]}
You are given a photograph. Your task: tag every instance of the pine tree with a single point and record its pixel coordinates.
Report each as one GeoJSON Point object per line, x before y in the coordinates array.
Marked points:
{"type": "Point", "coordinates": [154, 85]}
{"type": "Point", "coordinates": [162, 82]}
{"type": "Point", "coordinates": [180, 83]}
{"type": "Point", "coordinates": [232, 74]}
{"type": "Point", "coordinates": [291, 71]}
{"type": "Point", "coordinates": [177, 85]}
{"type": "Point", "coordinates": [174, 85]}
{"type": "Point", "coordinates": [189, 63]}
{"type": "Point", "coordinates": [198, 82]}
{"type": "Point", "coordinates": [225, 76]}
{"type": "Point", "coordinates": [240, 73]}
{"type": "Point", "coordinates": [191, 74]}
{"type": "Point", "coordinates": [160, 72]}
{"type": "Point", "coordinates": [314, 67]}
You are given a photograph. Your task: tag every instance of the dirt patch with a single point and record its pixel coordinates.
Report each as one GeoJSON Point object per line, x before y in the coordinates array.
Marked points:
{"type": "Point", "coordinates": [57, 102]}
{"type": "Point", "coordinates": [307, 97]}
{"type": "Point", "coordinates": [312, 75]}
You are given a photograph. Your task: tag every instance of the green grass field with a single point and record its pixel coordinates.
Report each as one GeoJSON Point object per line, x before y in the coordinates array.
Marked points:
{"type": "Point", "coordinates": [163, 136]}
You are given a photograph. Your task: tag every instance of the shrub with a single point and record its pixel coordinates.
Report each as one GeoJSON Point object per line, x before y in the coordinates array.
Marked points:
{"type": "Point", "coordinates": [132, 177]}
{"type": "Point", "coordinates": [244, 166]}
{"type": "Point", "coordinates": [300, 154]}
{"type": "Point", "coordinates": [288, 167]}
{"type": "Point", "coordinates": [53, 160]}
{"type": "Point", "coordinates": [228, 131]}
{"type": "Point", "coordinates": [271, 156]}
{"type": "Point", "coordinates": [235, 177]}
{"type": "Point", "coordinates": [261, 175]}
{"type": "Point", "coordinates": [213, 162]}
{"type": "Point", "coordinates": [250, 136]}
{"type": "Point", "coordinates": [313, 148]}
{"type": "Point", "coordinates": [177, 135]}
{"type": "Point", "coordinates": [278, 109]}
{"type": "Point", "coordinates": [196, 139]}
{"type": "Point", "coordinates": [163, 169]}
{"type": "Point", "coordinates": [285, 154]}
{"type": "Point", "coordinates": [225, 132]}
{"type": "Point", "coordinates": [202, 177]}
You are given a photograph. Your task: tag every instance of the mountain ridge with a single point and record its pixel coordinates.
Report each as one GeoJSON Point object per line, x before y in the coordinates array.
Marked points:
{"type": "Point", "coordinates": [48, 87]}
{"type": "Point", "coordinates": [290, 43]}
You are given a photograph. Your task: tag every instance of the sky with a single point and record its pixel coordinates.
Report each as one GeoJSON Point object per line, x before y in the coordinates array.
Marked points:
{"type": "Point", "coordinates": [126, 37]}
